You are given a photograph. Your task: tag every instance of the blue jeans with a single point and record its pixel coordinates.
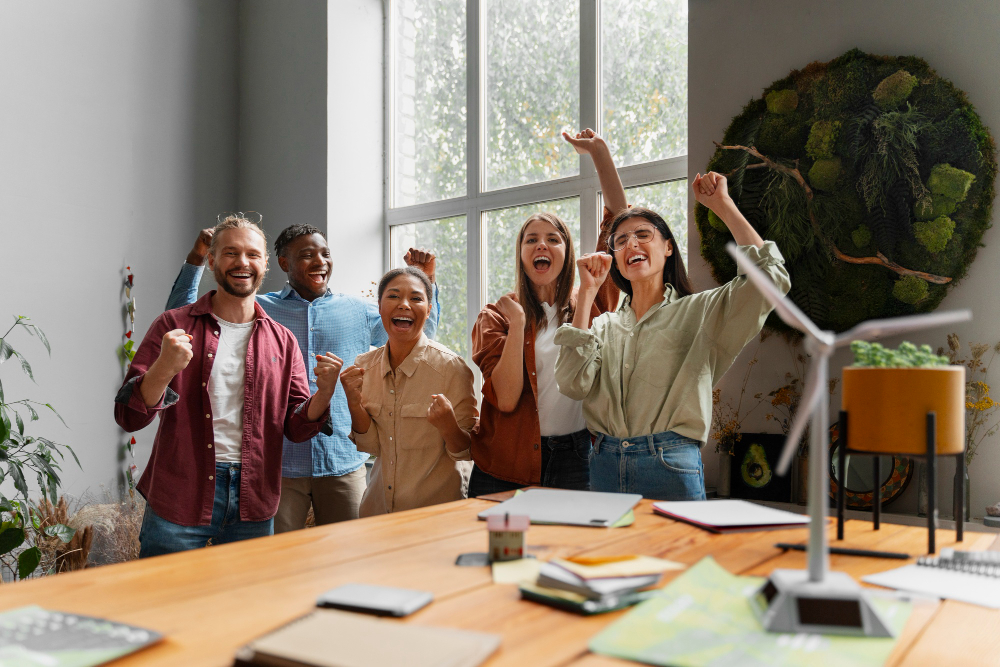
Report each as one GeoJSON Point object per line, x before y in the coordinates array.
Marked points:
{"type": "Point", "coordinates": [565, 465]}
{"type": "Point", "coordinates": [159, 536]}
{"type": "Point", "coordinates": [662, 466]}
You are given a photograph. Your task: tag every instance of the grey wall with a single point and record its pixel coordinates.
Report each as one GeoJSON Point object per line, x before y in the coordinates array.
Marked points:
{"type": "Point", "coordinates": [283, 124]}
{"type": "Point", "coordinates": [737, 48]}
{"type": "Point", "coordinates": [117, 141]}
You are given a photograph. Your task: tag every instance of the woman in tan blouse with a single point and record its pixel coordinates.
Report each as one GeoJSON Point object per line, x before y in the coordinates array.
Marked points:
{"type": "Point", "coordinates": [412, 405]}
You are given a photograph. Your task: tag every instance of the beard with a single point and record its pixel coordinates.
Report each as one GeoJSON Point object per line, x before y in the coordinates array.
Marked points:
{"type": "Point", "coordinates": [240, 292]}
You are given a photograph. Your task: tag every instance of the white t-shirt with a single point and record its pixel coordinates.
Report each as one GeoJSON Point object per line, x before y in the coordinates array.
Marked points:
{"type": "Point", "coordinates": [557, 414]}
{"type": "Point", "coordinates": [226, 389]}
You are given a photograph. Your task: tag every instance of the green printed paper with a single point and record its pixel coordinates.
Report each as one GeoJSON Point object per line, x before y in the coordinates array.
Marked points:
{"type": "Point", "coordinates": [704, 618]}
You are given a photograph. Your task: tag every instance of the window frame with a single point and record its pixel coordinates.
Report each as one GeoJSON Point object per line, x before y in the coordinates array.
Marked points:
{"type": "Point", "coordinates": [478, 201]}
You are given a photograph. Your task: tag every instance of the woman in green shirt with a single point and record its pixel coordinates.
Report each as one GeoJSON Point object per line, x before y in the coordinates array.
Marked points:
{"type": "Point", "coordinates": [645, 373]}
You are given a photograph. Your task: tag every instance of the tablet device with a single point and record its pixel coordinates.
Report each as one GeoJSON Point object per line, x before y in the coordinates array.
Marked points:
{"type": "Point", "coordinates": [378, 600]}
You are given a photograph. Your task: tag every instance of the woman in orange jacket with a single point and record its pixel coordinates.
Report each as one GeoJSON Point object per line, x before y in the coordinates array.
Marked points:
{"type": "Point", "coordinates": [529, 433]}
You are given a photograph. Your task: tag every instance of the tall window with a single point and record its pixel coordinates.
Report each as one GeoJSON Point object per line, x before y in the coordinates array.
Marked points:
{"type": "Point", "coordinates": [479, 92]}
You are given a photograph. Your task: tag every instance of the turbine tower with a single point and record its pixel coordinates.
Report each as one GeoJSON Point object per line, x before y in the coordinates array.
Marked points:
{"type": "Point", "coordinates": [818, 600]}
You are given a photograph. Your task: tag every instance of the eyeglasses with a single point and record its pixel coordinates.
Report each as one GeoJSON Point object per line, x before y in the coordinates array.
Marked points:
{"type": "Point", "coordinates": [619, 240]}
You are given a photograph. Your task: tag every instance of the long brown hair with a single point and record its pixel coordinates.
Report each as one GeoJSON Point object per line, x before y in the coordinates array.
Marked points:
{"type": "Point", "coordinates": [526, 296]}
{"type": "Point", "coordinates": [673, 271]}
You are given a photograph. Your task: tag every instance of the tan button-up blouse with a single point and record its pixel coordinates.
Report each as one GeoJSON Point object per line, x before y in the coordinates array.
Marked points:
{"type": "Point", "coordinates": [413, 468]}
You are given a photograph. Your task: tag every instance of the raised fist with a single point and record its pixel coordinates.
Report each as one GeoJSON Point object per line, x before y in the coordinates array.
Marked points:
{"type": "Point", "coordinates": [512, 311]}
{"type": "Point", "coordinates": [175, 351]}
{"type": "Point", "coordinates": [422, 259]}
{"type": "Point", "coordinates": [594, 268]}
{"type": "Point", "coordinates": [327, 370]}
{"type": "Point", "coordinates": [351, 379]}
{"type": "Point", "coordinates": [440, 413]}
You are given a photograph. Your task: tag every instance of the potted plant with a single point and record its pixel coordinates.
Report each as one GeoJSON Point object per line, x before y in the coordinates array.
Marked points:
{"type": "Point", "coordinates": [888, 393]}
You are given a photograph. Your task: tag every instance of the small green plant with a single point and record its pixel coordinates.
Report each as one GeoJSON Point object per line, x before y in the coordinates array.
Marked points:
{"type": "Point", "coordinates": [20, 455]}
{"type": "Point", "coordinates": [907, 355]}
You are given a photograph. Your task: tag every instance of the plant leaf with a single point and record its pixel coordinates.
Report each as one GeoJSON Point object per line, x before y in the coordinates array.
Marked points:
{"type": "Point", "coordinates": [41, 337]}
{"type": "Point", "coordinates": [25, 366]}
{"type": "Point", "coordinates": [20, 422]}
{"type": "Point", "coordinates": [5, 351]}
{"type": "Point", "coordinates": [49, 406]}
{"type": "Point", "coordinates": [28, 561]}
{"type": "Point", "coordinates": [15, 472]}
{"type": "Point", "coordinates": [31, 411]}
{"type": "Point", "coordinates": [62, 531]}
{"type": "Point", "coordinates": [11, 538]}
{"type": "Point", "coordinates": [1, 392]}
{"type": "Point", "coordinates": [4, 424]}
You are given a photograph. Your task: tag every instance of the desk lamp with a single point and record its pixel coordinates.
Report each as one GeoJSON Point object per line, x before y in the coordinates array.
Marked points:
{"type": "Point", "coordinates": [818, 600]}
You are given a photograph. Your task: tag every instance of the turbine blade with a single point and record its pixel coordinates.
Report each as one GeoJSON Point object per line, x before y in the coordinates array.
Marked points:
{"type": "Point", "coordinates": [786, 310]}
{"type": "Point", "coordinates": [897, 325]}
{"type": "Point", "coordinates": [811, 395]}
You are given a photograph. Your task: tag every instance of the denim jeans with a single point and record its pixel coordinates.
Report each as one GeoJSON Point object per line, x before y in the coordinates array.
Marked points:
{"type": "Point", "coordinates": [565, 465]}
{"type": "Point", "coordinates": [159, 536]}
{"type": "Point", "coordinates": [662, 466]}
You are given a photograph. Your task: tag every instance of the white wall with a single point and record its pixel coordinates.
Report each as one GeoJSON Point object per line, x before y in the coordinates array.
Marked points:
{"type": "Point", "coordinates": [282, 115]}
{"type": "Point", "coordinates": [356, 130]}
{"type": "Point", "coordinates": [737, 48]}
{"type": "Point", "coordinates": [117, 141]}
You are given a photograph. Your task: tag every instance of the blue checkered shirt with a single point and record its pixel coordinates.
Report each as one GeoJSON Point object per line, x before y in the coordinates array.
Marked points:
{"type": "Point", "coordinates": [339, 323]}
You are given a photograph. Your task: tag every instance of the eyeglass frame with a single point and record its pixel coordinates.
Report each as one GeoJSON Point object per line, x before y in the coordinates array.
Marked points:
{"type": "Point", "coordinates": [630, 235]}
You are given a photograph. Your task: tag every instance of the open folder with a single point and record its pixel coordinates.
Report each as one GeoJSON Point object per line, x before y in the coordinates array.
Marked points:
{"type": "Point", "coordinates": [330, 638]}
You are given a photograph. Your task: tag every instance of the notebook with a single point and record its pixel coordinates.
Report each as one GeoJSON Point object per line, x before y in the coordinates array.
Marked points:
{"type": "Point", "coordinates": [966, 576]}
{"type": "Point", "coordinates": [331, 638]}
{"type": "Point", "coordinates": [36, 636]}
{"type": "Point", "coordinates": [573, 508]}
{"type": "Point", "coordinates": [729, 516]}
{"type": "Point", "coordinates": [552, 576]}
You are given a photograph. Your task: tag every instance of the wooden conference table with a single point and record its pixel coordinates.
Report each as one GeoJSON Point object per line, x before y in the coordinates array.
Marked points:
{"type": "Point", "coordinates": [211, 601]}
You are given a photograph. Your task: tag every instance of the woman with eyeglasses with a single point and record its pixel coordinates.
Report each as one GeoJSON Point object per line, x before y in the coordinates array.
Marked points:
{"type": "Point", "coordinates": [529, 432]}
{"type": "Point", "coordinates": [645, 373]}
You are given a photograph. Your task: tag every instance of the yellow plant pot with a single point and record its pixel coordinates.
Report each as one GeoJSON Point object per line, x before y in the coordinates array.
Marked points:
{"type": "Point", "coordinates": [887, 408]}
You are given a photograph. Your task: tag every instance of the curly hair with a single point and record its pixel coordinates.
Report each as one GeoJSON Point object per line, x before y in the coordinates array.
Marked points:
{"type": "Point", "coordinates": [290, 233]}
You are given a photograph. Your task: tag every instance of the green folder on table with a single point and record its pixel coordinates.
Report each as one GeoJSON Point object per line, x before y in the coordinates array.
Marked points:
{"type": "Point", "coordinates": [703, 617]}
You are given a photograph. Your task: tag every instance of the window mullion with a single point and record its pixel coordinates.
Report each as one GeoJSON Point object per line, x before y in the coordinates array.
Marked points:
{"type": "Point", "coordinates": [475, 85]}
{"type": "Point", "coordinates": [589, 115]}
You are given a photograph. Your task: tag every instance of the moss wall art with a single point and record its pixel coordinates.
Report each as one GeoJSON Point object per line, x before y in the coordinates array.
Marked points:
{"type": "Point", "coordinates": [875, 177]}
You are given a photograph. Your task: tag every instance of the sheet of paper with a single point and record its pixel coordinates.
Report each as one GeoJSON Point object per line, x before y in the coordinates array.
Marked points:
{"type": "Point", "coordinates": [521, 571]}
{"type": "Point", "coordinates": [632, 567]}
{"type": "Point", "coordinates": [729, 513]}
{"type": "Point", "coordinates": [981, 590]}
{"type": "Point", "coordinates": [704, 618]}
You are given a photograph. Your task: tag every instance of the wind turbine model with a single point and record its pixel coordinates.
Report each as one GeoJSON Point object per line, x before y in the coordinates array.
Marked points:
{"type": "Point", "coordinates": [818, 600]}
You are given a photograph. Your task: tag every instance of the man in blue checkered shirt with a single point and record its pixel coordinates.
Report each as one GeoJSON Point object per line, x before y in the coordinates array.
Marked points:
{"type": "Point", "coordinates": [327, 472]}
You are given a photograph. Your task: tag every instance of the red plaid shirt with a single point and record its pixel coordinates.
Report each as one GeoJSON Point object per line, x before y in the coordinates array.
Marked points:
{"type": "Point", "coordinates": [178, 482]}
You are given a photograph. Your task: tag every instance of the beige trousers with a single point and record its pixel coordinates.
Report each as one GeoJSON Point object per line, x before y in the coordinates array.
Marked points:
{"type": "Point", "coordinates": [333, 499]}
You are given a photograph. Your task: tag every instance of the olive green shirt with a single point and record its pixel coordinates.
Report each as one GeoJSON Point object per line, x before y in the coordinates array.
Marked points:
{"type": "Point", "coordinates": [657, 374]}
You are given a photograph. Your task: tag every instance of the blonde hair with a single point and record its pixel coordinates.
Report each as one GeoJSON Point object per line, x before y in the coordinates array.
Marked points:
{"type": "Point", "coordinates": [235, 221]}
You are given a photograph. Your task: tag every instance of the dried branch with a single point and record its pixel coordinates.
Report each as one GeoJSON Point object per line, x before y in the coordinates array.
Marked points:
{"type": "Point", "coordinates": [794, 172]}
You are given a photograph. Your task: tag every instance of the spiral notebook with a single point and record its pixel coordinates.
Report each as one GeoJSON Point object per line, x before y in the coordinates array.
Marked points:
{"type": "Point", "coordinates": [331, 638]}
{"type": "Point", "coordinates": [966, 576]}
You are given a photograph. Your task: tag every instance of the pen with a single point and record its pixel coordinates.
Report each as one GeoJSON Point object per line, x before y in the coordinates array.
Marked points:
{"type": "Point", "coordinates": [842, 551]}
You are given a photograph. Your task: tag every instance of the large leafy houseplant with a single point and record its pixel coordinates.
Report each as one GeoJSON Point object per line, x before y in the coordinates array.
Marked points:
{"type": "Point", "coordinates": [22, 455]}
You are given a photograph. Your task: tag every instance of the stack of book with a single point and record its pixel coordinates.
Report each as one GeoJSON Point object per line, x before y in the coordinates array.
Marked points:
{"type": "Point", "coordinates": [594, 586]}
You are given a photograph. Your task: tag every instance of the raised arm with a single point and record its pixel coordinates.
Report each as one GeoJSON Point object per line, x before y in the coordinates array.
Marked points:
{"type": "Point", "coordinates": [426, 262]}
{"type": "Point", "coordinates": [185, 289]}
{"type": "Point", "coordinates": [508, 374]}
{"type": "Point", "coordinates": [712, 191]}
{"type": "Point", "coordinates": [162, 354]}
{"type": "Point", "coordinates": [590, 143]}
